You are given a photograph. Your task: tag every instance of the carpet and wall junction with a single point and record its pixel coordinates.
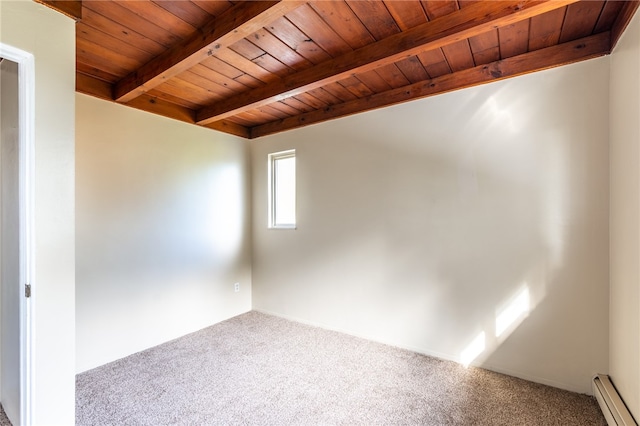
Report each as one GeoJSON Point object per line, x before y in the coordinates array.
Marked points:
{"type": "Point", "coordinates": [257, 369]}
{"type": "Point", "coordinates": [4, 420]}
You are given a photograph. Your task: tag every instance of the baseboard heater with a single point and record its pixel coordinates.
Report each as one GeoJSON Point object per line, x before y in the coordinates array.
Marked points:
{"type": "Point", "coordinates": [612, 406]}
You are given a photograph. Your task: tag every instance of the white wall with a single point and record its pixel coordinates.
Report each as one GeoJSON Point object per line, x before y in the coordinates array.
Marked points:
{"type": "Point", "coordinates": [625, 217]}
{"type": "Point", "coordinates": [163, 230]}
{"type": "Point", "coordinates": [418, 224]}
{"type": "Point", "coordinates": [50, 37]}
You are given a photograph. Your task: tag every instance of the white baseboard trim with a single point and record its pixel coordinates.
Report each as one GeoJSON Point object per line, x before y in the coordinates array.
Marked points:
{"type": "Point", "coordinates": [612, 406]}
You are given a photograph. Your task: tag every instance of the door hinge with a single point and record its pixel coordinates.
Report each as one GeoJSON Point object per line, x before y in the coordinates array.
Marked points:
{"type": "Point", "coordinates": [27, 290]}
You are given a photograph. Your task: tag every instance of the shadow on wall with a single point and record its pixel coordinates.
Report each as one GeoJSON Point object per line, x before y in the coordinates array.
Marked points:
{"type": "Point", "coordinates": [160, 216]}
{"type": "Point", "coordinates": [488, 248]}
{"type": "Point", "coordinates": [162, 231]}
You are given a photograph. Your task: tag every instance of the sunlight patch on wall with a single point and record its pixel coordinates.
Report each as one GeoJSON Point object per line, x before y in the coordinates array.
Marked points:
{"type": "Point", "coordinates": [226, 210]}
{"type": "Point", "coordinates": [555, 189]}
{"type": "Point", "coordinates": [514, 313]}
{"type": "Point", "coordinates": [507, 319]}
{"type": "Point", "coordinates": [473, 350]}
{"type": "Point", "coordinates": [502, 114]}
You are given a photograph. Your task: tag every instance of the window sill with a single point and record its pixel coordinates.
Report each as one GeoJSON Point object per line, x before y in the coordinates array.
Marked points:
{"type": "Point", "coordinates": [281, 227]}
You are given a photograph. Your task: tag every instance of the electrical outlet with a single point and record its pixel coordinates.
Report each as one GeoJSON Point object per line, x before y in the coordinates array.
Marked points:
{"type": "Point", "coordinates": [236, 287]}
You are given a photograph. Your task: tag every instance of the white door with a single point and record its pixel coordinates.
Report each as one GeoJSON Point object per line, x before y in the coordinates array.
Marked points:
{"type": "Point", "coordinates": [10, 267]}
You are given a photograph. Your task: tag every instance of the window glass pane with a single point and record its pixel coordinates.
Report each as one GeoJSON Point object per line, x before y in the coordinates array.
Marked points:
{"type": "Point", "coordinates": [282, 189]}
{"type": "Point", "coordinates": [285, 191]}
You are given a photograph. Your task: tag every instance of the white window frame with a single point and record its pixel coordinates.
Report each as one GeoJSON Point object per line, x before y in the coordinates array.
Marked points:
{"type": "Point", "coordinates": [272, 158]}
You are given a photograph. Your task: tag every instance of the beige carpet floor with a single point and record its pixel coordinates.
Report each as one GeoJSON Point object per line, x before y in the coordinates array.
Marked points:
{"type": "Point", "coordinates": [257, 369]}
{"type": "Point", "coordinates": [4, 420]}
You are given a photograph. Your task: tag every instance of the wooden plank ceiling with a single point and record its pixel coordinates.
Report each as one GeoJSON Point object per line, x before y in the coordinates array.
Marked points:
{"type": "Point", "coordinates": [260, 67]}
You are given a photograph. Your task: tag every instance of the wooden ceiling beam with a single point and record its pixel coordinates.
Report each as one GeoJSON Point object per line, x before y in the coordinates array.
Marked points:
{"type": "Point", "coordinates": [71, 8]}
{"type": "Point", "coordinates": [470, 21]}
{"type": "Point", "coordinates": [159, 106]}
{"type": "Point", "coordinates": [93, 87]}
{"type": "Point", "coordinates": [236, 23]}
{"type": "Point", "coordinates": [628, 10]}
{"type": "Point", "coordinates": [574, 51]}
{"type": "Point", "coordinates": [230, 128]}
{"type": "Point", "coordinates": [101, 89]}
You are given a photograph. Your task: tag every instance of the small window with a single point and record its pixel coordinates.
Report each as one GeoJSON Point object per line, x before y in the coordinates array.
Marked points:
{"type": "Point", "coordinates": [282, 190]}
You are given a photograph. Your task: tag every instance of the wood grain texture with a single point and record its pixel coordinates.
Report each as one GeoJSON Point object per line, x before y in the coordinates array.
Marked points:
{"type": "Point", "coordinates": [407, 14]}
{"type": "Point", "coordinates": [189, 91]}
{"type": "Point", "coordinates": [215, 8]}
{"type": "Point", "coordinates": [90, 70]}
{"type": "Point", "coordinates": [95, 20]}
{"type": "Point", "coordinates": [238, 61]}
{"type": "Point", "coordinates": [230, 128]}
{"type": "Point", "coordinates": [623, 19]}
{"type": "Point", "coordinates": [109, 42]}
{"type": "Point", "coordinates": [436, 9]}
{"type": "Point", "coordinates": [104, 59]}
{"type": "Point", "coordinates": [589, 47]}
{"type": "Point", "coordinates": [273, 46]}
{"type": "Point", "coordinates": [544, 30]}
{"type": "Point", "coordinates": [375, 17]}
{"type": "Point", "coordinates": [373, 80]}
{"type": "Point", "coordinates": [94, 87]}
{"type": "Point", "coordinates": [161, 107]}
{"type": "Point", "coordinates": [485, 47]}
{"type": "Point", "coordinates": [514, 39]}
{"type": "Point", "coordinates": [233, 25]}
{"type": "Point", "coordinates": [473, 20]}
{"type": "Point", "coordinates": [610, 12]}
{"type": "Point", "coordinates": [458, 55]}
{"type": "Point", "coordinates": [392, 75]}
{"type": "Point", "coordinates": [188, 11]}
{"type": "Point", "coordinates": [580, 20]}
{"type": "Point", "coordinates": [173, 99]}
{"type": "Point", "coordinates": [339, 16]}
{"type": "Point", "coordinates": [310, 23]}
{"type": "Point", "coordinates": [71, 8]}
{"type": "Point", "coordinates": [240, 65]}
{"type": "Point", "coordinates": [434, 63]}
{"type": "Point", "coordinates": [91, 86]}
{"type": "Point", "coordinates": [297, 40]}
{"type": "Point", "coordinates": [161, 17]}
{"type": "Point", "coordinates": [130, 21]}
{"type": "Point", "coordinates": [412, 69]}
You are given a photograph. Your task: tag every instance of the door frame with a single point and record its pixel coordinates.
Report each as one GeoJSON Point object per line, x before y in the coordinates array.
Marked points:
{"type": "Point", "coordinates": [26, 171]}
